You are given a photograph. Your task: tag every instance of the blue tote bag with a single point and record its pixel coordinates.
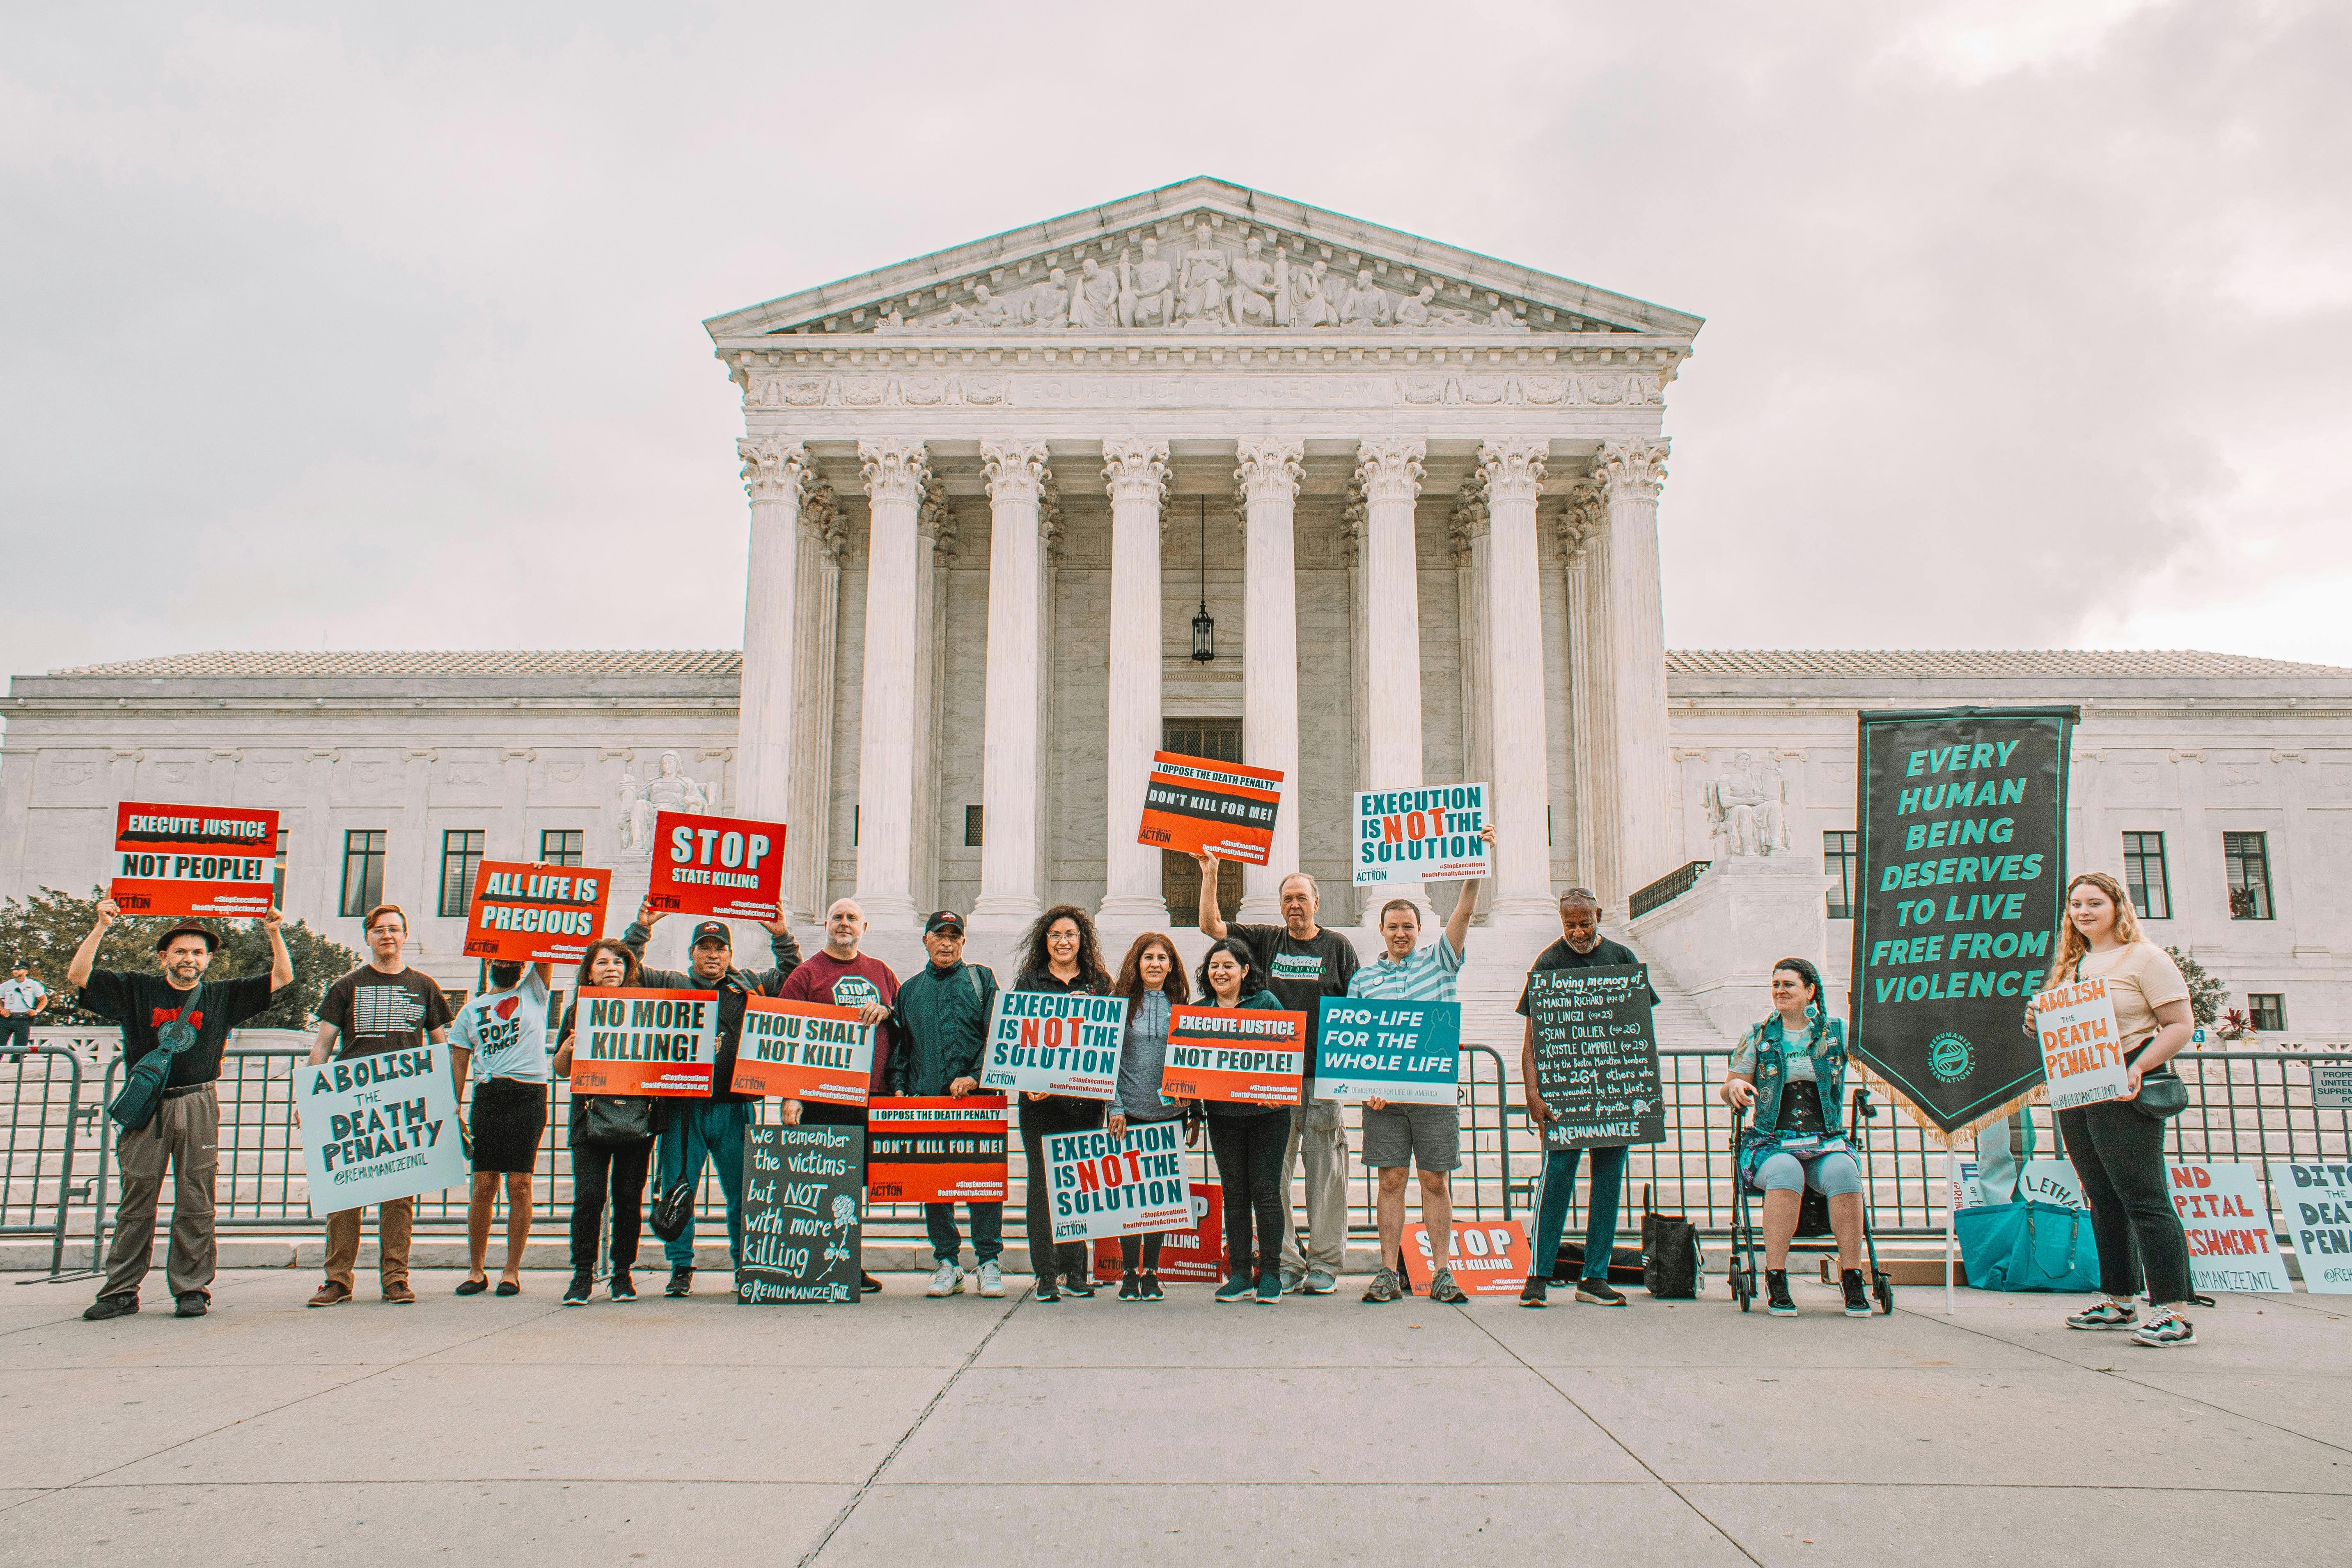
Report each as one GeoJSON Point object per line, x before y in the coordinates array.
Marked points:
{"type": "Point", "coordinates": [2028, 1245]}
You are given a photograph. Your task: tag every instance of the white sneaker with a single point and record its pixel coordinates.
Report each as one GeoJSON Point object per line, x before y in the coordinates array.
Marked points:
{"type": "Point", "coordinates": [947, 1280]}
{"type": "Point", "coordinates": [991, 1278]}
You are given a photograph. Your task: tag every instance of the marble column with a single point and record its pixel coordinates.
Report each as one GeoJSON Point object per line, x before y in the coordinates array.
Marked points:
{"type": "Point", "coordinates": [895, 471]}
{"type": "Point", "coordinates": [1644, 803]}
{"type": "Point", "coordinates": [1582, 528]}
{"type": "Point", "coordinates": [935, 546]}
{"type": "Point", "coordinates": [1467, 530]}
{"type": "Point", "coordinates": [1267, 478]}
{"type": "Point", "coordinates": [1136, 471]}
{"type": "Point", "coordinates": [1011, 760]}
{"type": "Point", "coordinates": [773, 471]}
{"type": "Point", "coordinates": [1389, 469]}
{"type": "Point", "coordinates": [817, 628]}
{"type": "Point", "coordinates": [1514, 470]}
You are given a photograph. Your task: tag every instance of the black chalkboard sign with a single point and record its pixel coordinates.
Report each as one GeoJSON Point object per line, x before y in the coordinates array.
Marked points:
{"type": "Point", "coordinates": [1596, 1057]}
{"type": "Point", "coordinates": [801, 1191]}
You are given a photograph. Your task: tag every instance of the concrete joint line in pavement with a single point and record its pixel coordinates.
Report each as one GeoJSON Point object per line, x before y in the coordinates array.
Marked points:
{"type": "Point", "coordinates": [1697, 1513]}
{"type": "Point", "coordinates": [842, 1518]}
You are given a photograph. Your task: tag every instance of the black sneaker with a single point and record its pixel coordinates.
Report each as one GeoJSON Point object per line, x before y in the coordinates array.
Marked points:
{"type": "Point", "coordinates": [1857, 1295]}
{"type": "Point", "coordinates": [578, 1292]}
{"type": "Point", "coordinates": [867, 1284]}
{"type": "Point", "coordinates": [1777, 1299]}
{"type": "Point", "coordinates": [681, 1283]}
{"type": "Point", "coordinates": [105, 1307]}
{"type": "Point", "coordinates": [1078, 1285]}
{"type": "Point", "coordinates": [1599, 1293]}
{"type": "Point", "coordinates": [1048, 1288]}
{"type": "Point", "coordinates": [622, 1289]}
{"type": "Point", "coordinates": [1536, 1291]}
{"type": "Point", "coordinates": [1130, 1287]}
{"type": "Point", "coordinates": [190, 1304]}
{"type": "Point", "coordinates": [1147, 1288]}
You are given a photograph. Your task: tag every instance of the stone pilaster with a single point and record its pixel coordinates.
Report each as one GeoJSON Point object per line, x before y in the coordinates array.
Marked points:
{"type": "Point", "coordinates": [1267, 478]}
{"type": "Point", "coordinates": [1582, 528]}
{"type": "Point", "coordinates": [817, 549]}
{"type": "Point", "coordinates": [1514, 470]}
{"type": "Point", "coordinates": [1644, 806]}
{"type": "Point", "coordinates": [774, 473]}
{"type": "Point", "coordinates": [1010, 865]}
{"type": "Point", "coordinates": [1135, 470]}
{"type": "Point", "coordinates": [894, 473]}
{"type": "Point", "coordinates": [1389, 469]}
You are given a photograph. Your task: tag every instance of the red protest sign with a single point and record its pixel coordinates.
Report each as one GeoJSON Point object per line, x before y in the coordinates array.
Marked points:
{"type": "Point", "coordinates": [1191, 803]}
{"type": "Point", "coordinates": [194, 860]}
{"type": "Point", "coordinates": [629, 1041]}
{"type": "Point", "coordinates": [1195, 1256]}
{"type": "Point", "coordinates": [804, 1050]}
{"type": "Point", "coordinates": [1236, 1054]}
{"type": "Point", "coordinates": [535, 914]}
{"type": "Point", "coordinates": [935, 1149]}
{"type": "Point", "coordinates": [717, 866]}
{"type": "Point", "coordinates": [1489, 1257]}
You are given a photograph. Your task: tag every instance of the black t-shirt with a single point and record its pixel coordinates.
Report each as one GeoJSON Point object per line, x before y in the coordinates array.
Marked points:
{"type": "Point", "coordinates": [1057, 1112]}
{"type": "Point", "coordinates": [143, 1003]}
{"type": "Point", "coordinates": [1301, 973]}
{"type": "Point", "coordinates": [376, 1012]}
{"type": "Point", "coordinates": [1605, 954]}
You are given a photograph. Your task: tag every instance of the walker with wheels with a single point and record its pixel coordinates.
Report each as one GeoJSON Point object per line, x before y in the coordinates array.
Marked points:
{"type": "Point", "coordinates": [1813, 1217]}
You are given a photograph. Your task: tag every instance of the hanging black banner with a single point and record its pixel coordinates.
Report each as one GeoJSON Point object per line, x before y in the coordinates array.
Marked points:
{"type": "Point", "coordinates": [1963, 820]}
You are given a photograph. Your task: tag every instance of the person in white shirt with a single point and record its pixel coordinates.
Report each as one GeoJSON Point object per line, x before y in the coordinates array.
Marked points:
{"type": "Point", "coordinates": [22, 1000]}
{"type": "Point", "coordinates": [501, 1036]}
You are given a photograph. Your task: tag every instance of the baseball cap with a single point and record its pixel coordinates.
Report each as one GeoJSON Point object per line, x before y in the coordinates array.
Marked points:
{"type": "Point", "coordinates": [941, 920]}
{"type": "Point", "coordinates": [712, 931]}
{"type": "Point", "coordinates": [211, 943]}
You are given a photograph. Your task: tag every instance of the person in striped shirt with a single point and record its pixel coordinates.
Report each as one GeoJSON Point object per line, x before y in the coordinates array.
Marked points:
{"type": "Point", "coordinates": [1397, 1137]}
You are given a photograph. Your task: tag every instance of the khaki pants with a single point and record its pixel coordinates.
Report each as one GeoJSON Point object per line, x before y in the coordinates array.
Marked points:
{"type": "Point", "coordinates": [393, 1221]}
{"type": "Point", "coordinates": [185, 1133]}
{"type": "Point", "coordinates": [1317, 1133]}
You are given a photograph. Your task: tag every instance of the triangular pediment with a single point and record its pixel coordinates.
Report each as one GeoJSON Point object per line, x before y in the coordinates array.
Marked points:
{"type": "Point", "coordinates": [1203, 256]}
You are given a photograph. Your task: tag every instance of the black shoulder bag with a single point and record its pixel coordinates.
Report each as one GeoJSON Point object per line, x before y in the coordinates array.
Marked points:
{"type": "Point", "coordinates": [142, 1094]}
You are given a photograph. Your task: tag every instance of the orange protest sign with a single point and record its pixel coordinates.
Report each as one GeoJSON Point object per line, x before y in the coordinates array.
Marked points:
{"type": "Point", "coordinates": [1235, 1055]}
{"type": "Point", "coordinates": [194, 860]}
{"type": "Point", "coordinates": [1191, 803]}
{"type": "Point", "coordinates": [530, 913]}
{"type": "Point", "coordinates": [644, 1041]}
{"type": "Point", "coordinates": [716, 866]}
{"type": "Point", "coordinates": [804, 1050]}
{"type": "Point", "coordinates": [1489, 1257]}
{"type": "Point", "coordinates": [935, 1149]}
{"type": "Point", "coordinates": [1195, 1256]}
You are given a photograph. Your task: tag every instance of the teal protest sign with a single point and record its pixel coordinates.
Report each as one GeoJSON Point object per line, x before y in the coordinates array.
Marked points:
{"type": "Point", "coordinates": [1409, 1052]}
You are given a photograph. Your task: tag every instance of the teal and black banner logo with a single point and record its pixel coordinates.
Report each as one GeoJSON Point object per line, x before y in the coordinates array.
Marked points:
{"type": "Point", "coordinates": [1963, 819]}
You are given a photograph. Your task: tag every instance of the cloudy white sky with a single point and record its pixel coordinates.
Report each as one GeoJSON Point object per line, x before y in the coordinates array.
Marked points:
{"type": "Point", "coordinates": [2028, 322]}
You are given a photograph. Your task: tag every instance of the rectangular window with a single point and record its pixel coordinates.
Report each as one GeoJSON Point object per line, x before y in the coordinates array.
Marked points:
{"type": "Point", "coordinates": [277, 874]}
{"type": "Point", "coordinates": [461, 854]}
{"type": "Point", "coordinates": [2269, 1008]}
{"type": "Point", "coordinates": [563, 846]}
{"type": "Point", "coordinates": [1840, 856]}
{"type": "Point", "coordinates": [2246, 857]}
{"type": "Point", "coordinates": [972, 826]}
{"type": "Point", "coordinates": [363, 870]}
{"type": "Point", "coordinates": [2144, 876]}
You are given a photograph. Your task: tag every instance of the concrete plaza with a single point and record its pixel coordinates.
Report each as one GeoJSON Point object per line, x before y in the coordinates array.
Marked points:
{"type": "Point", "coordinates": [903, 1430]}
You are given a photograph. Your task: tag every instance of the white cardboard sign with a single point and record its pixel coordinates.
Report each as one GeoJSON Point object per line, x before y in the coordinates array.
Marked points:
{"type": "Point", "coordinates": [378, 1128]}
{"type": "Point", "coordinates": [2082, 1050]}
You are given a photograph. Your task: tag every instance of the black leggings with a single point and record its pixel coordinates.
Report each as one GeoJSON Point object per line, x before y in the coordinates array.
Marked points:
{"type": "Point", "coordinates": [1249, 1150]}
{"type": "Point", "coordinates": [595, 1169]}
{"type": "Point", "coordinates": [1143, 1251]}
{"type": "Point", "coordinates": [2118, 1157]}
{"type": "Point", "coordinates": [1038, 1119]}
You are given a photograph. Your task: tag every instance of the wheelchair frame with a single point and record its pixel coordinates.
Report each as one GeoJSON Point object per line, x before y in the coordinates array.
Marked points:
{"type": "Point", "coordinates": [1748, 1241]}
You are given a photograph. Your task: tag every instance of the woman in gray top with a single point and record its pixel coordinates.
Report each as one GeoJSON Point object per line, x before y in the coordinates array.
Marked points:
{"type": "Point", "coordinates": [1152, 981]}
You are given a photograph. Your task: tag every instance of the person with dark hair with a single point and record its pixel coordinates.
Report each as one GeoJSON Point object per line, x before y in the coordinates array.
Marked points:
{"type": "Point", "coordinates": [498, 1045]}
{"type": "Point", "coordinates": [1248, 1142]}
{"type": "Point", "coordinates": [612, 1138]}
{"type": "Point", "coordinates": [1152, 978]}
{"type": "Point", "coordinates": [2118, 1149]}
{"type": "Point", "coordinates": [1580, 946]}
{"type": "Point", "coordinates": [1059, 953]}
{"type": "Point", "coordinates": [942, 1016]}
{"type": "Point", "coordinates": [185, 1133]}
{"type": "Point", "coordinates": [22, 1000]}
{"type": "Point", "coordinates": [382, 1005]}
{"type": "Point", "coordinates": [1789, 1072]}
{"type": "Point", "coordinates": [841, 974]}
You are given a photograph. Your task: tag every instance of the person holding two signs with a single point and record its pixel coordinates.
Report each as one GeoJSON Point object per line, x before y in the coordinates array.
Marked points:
{"type": "Point", "coordinates": [1152, 980]}
{"type": "Point", "coordinates": [1060, 953]}
{"type": "Point", "coordinates": [1248, 1141]}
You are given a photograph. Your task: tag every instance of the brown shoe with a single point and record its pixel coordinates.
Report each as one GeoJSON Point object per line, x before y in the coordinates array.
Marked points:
{"type": "Point", "coordinates": [400, 1295]}
{"type": "Point", "coordinates": [330, 1295]}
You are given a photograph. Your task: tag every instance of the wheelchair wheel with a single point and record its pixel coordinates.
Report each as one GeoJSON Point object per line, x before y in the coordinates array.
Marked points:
{"type": "Point", "coordinates": [1742, 1280]}
{"type": "Point", "coordinates": [1882, 1286]}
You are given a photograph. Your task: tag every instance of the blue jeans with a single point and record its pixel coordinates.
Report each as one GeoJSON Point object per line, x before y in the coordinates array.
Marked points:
{"type": "Point", "coordinates": [700, 1131]}
{"type": "Point", "coordinates": [1600, 1218]}
{"type": "Point", "coordinates": [987, 1231]}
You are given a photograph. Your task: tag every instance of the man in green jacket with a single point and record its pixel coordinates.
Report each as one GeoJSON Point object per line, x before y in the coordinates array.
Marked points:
{"type": "Point", "coordinates": [942, 1019]}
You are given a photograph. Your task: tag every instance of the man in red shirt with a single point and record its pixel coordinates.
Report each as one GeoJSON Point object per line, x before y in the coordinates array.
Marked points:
{"type": "Point", "coordinates": [838, 975]}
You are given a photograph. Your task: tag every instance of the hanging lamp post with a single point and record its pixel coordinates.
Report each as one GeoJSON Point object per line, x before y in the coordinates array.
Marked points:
{"type": "Point", "coordinates": [1204, 626]}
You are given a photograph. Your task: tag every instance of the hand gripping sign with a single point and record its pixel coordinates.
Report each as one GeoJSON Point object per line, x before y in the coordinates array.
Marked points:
{"type": "Point", "coordinates": [717, 866]}
{"type": "Point", "coordinates": [379, 1128]}
{"type": "Point", "coordinates": [2082, 1050]}
{"type": "Point", "coordinates": [804, 1050]}
{"type": "Point", "coordinates": [935, 1149]}
{"type": "Point", "coordinates": [1193, 804]}
{"type": "Point", "coordinates": [1045, 1042]}
{"type": "Point", "coordinates": [1422, 835]}
{"type": "Point", "coordinates": [1097, 1185]}
{"type": "Point", "coordinates": [1407, 1052]}
{"type": "Point", "coordinates": [643, 1042]}
{"type": "Point", "coordinates": [1235, 1054]}
{"type": "Point", "coordinates": [528, 913]}
{"type": "Point", "coordinates": [194, 860]}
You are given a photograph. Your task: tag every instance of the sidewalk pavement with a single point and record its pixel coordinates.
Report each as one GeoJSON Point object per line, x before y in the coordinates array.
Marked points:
{"type": "Point", "coordinates": [905, 1430]}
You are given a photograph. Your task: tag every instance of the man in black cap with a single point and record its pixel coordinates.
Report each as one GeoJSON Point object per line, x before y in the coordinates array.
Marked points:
{"type": "Point", "coordinates": [185, 1133]}
{"type": "Point", "coordinates": [942, 1017]}
{"type": "Point", "coordinates": [709, 1130]}
{"type": "Point", "coordinates": [22, 1000]}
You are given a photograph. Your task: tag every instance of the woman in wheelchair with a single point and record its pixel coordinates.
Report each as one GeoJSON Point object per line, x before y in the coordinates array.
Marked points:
{"type": "Point", "coordinates": [1790, 1070]}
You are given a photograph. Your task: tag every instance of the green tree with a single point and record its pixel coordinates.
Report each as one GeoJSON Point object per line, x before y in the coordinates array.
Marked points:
{"type": "Point", "coordinates": [2204, 991]}
{"type": "Point", "coordinates": [43, 931]}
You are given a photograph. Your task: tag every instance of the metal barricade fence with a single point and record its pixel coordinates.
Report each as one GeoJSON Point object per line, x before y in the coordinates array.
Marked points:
{"type": "Point", "coordinates": [37, 1162]}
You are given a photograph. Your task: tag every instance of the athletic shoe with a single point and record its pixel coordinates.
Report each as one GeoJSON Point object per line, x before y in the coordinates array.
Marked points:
{"type": "Point", "coordinates": [399, 1294]}
{"type": "Point", "coordinates": [1777, 1299]}
{"type": "Point", "coordinates": [1318, 1282]}
{"type": "Point", "coordinates": [991, 1278]}
{"type": "Point", "coordinates": [2106, 1312]}
{"type": "Point", "coordinates": [1857, 1296]}
{"type": "Point", "coordinates": [1269, 1290]}
{"type": "Point", "coordinates": [1599, 1293]}
{"type": "Point", "coordinates": [1078, 1285]}
{"type": "Point", "coordinates": [1240, 1287]}
{"type": "Point", "coordinates": [622, 1287]}
{"type": "Point", "coordinates": [1046, 1291]}
{"type": "Point", "coordinates": [2165, 1331]}
{"type": "Point", "coordinates": [191, 1304]}
{"type": "Point", "coordinates": [681, 1283]}
{"type": "Point", "coordinates": [1130, 1287]}
{"type": "Point", "coordinates": [329, 1294]}
{"type": "Point", "coordinates": [578, 1292]}
{"type": "Point", "coordinates": [867, 1284]}
{"type": "Point", "coordinates": [1535, 1291]}
{"type": "Point", "coordinates": [1385, 1286]}
{"type": "Point", "coordinates": [947, 1280]}
{"type": "Point", "coordinates": [1147, 1287]}
{"type": "Point", "coordinates": [121, 1305]}
{"type": "Point", "coordinates": [1444, 1290]}
{"type": "Point", "coordinates": [1292, 1280]}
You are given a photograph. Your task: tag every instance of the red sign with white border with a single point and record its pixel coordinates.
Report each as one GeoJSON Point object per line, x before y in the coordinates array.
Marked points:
{"type": "Point", "coordinates": [531, 913]}
{"type": "Point", "coordinates": [1195, 1256]}
{"type": "Point", "coordinates": [1489, 1257]}
{"type": "Point", "coordinates": [936, 1148]}
{"type": "Point", "coordinates": [717, 866]}
{"type": "Point", "coordinates": [1191, 803]}
{"type": "Point", "coordinates": [628, 1041]}
{"type": "Point", "coordinates": [1238, 1055]}
{"type": "Point", "coordinates": [804, 1050]}
{"type": "Point", "coordinates": [213, 861]}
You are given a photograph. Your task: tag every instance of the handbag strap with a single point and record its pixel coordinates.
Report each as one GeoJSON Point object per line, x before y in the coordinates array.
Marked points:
{"type": "Point", "coordinates": [195, 991]}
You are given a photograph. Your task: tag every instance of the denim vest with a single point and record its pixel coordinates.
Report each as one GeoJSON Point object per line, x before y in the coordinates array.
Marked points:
{"type": "Point", "coordinates": [1772, 1076]}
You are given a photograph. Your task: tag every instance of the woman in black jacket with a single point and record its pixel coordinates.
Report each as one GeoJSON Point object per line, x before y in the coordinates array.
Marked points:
{"type": "Point", "coordinates": [1060, 953]}
{"type": "Point", "coordinates": [603, 1158]}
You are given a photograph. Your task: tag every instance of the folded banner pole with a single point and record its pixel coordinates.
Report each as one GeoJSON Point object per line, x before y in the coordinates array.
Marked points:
{"type": "Point", "coordinates": [1951, 1175]}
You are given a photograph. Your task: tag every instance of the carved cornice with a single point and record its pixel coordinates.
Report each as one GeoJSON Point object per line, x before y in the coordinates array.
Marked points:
{"type": "Point", "coordinates": [1016, 470]}
{"type": "Point", "coordinates": [1267, 470]}
{"type": "Point", "coordinates": [821, 516]}
{"type": "Point", "coordinates": [1389, 467]}
{"type": "Point", "coordinates": [894, 470]}
{"type": "Point", "coordinates": [1514, 469]}
{"type": "Point", "coordinates": [1635, 471]}
{"type": "Point", "coordinates": [773, 470]}
{"type": "Point", "coordinates": [1135, 469]}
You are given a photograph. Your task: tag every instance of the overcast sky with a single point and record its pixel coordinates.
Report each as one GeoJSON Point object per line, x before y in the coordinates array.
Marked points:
{"type": "Point", "coordinates": [2028, 323]}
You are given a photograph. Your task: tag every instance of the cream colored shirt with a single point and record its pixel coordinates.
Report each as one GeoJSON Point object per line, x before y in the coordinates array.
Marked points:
{"type": "Point", "coordinates": [2141, 977]}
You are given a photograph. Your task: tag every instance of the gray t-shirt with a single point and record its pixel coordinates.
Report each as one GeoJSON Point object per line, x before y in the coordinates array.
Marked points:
{"type": "Point", "coordinates": [1142, 1056]}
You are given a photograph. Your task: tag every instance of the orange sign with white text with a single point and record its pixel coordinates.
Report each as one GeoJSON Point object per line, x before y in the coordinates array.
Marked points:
{"type": "Point", "coordinates": [1191, 803]}
{"type": "Point", "coordinates": [1490, 1258]}
{"type": "Point", "coordinates": [804, 1050]}
{"type": "Point", "coordinates": [194, 860]}
{"type": "Point", "coordinates": [644, 1041]}
{"type": "Point", "coordinates": [716, 866]}
{"type": "Point", "coordinates": [531, 913]}
{"type": "Point", "coordinates": [1235, 1054]}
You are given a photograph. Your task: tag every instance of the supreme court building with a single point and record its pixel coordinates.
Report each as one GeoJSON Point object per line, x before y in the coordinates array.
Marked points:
{"type": "Point", "coordinates": [1210, 470]}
